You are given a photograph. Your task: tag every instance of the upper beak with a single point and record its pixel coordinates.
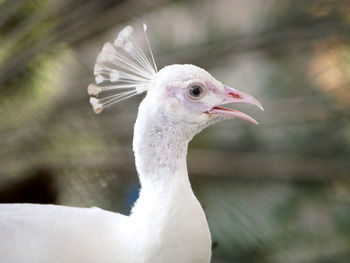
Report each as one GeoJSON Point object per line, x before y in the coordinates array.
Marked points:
{"type": "Point", "coordinates": [232, 96]}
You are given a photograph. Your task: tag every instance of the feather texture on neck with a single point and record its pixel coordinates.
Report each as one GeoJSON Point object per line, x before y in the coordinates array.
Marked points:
{"type": "Point", "coordinates": [167, 212]}
{"type": "Point", "coordinates": [160, 145]}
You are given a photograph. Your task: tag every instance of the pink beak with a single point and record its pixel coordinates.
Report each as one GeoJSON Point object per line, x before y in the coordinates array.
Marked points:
{"type": "Point", "coordinates": [233, 96]}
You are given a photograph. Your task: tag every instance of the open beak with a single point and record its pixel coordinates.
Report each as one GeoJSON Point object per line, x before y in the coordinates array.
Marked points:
{"type": "Point", "coordinates": [232, 96]}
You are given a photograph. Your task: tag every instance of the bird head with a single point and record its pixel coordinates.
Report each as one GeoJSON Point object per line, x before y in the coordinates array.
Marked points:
{"type": "Point", "coordinates": [183, 93]}
{"type": "Point", "coordinates": [190, 94]}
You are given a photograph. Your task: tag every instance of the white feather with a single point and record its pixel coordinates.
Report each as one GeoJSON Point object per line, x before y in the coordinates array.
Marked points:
{"type": "Point", "coordinates": [118, 42]}
{"type": "Point", "coordinates": [108, 49]}
{"type": "Point", "coordinates": [99, 79]}
{"type": "Point", "coordinates": [96, 105]}
{"type": "Point", "coordinates": [125, 66]}
{"type": "Point", "coordinates": [98, 69]}
{"type": "Point", "coordinates": [114, 75]}
{"type": "Point", "coordinates": [102, 57]}
{"type": "Point", "coordinates": [93, 90]}
{"type": "Point", "coordinates": [126, 32]}
{"type": "Point", "coordinates": [128, 46]}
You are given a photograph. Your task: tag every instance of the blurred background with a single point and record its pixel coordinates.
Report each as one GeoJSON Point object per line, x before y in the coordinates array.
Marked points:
{"type": "Point", "coordinates": [277, 192]}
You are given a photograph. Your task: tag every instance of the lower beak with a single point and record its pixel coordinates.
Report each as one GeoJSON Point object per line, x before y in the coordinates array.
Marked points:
{"type": "Point", "coordinates": [233, 96]}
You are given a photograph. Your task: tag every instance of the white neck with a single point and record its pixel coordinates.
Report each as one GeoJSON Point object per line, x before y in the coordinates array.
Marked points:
{"type": "Point", "coordinates": [167, 212]}
{"type": "Point", "coordinates": [160, 155]}
{"type": "Point", "coordinates": [160, 151]}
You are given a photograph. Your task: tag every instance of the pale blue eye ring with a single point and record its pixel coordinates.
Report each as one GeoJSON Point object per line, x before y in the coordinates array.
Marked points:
{"type": "Point", "coordinates": [195, 92]}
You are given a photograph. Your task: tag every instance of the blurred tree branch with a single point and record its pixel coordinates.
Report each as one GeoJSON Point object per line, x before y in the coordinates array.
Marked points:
{"type": "Point", "coordinates": [77, 25]}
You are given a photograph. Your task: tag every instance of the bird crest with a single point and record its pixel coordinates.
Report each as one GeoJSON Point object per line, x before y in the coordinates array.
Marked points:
{"type": "Point", "coordinates": [122, 70]}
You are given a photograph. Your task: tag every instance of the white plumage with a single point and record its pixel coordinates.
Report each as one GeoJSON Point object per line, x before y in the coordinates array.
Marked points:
{"type": "Point", "coordinates": [167, 223]}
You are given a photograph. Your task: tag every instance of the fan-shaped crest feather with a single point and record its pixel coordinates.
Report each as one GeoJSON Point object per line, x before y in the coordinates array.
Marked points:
{"type": "Point", "coordinates": [122, 70]}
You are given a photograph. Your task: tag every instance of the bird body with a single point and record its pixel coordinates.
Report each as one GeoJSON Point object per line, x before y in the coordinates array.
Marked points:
{"type": "Point", "coordinates": [173, 228]}
{"type": "Point", "coordinates": [47, 233]}
{"type": "Point", "coordinates": [167, 223]}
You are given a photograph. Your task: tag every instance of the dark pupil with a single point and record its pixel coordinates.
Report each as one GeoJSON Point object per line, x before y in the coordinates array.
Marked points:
{"type": "Point", "coordinates": [195, 90]}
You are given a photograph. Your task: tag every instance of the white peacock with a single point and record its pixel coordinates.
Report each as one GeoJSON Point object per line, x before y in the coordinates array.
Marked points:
{"type": "Point", "coordinates": [167, 223]}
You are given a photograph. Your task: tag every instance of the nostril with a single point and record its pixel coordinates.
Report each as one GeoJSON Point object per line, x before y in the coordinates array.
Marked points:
{"type": "Point", "coordinates": [234, 95]}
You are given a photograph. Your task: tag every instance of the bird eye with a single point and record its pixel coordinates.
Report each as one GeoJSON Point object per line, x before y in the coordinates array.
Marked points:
{"type": "Point", "coordinates": [195, 92]}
